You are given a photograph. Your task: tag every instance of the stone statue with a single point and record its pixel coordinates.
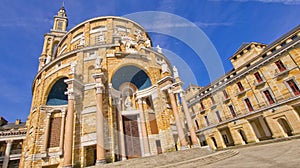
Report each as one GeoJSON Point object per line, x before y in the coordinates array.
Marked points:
{"type": "Point", "coordinates": [175, 72]}
{"type": "Point", "coordinates": [48, 59]}
{"type": "Point", "coordinates": [98, 62]}
{"type": "Point", "coordinates": [164, 66]}
{"type": "Point", "coordinates": [73, 67]}
{"type": "Point", "coordinates": [158, 49]}
{"type": "Point", "coordinates": [128, 103]}
{"type": "Point", "coordinates": [148, 43]}
{"type": "Point", "coordinates": [82, 41]}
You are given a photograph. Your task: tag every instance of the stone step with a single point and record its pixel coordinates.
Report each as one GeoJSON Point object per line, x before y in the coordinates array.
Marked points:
{"type": "Point", "coordinates": [175, 159]}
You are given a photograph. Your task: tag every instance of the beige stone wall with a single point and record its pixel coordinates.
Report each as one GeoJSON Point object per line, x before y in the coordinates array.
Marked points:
{"type": "Point", "coordinates": [70, 52]}
{"type": "Point", "coordinates": [286, 102]}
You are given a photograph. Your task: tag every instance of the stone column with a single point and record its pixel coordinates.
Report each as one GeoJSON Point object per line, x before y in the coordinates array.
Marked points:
{"type": "Point", "coordinates": [181, 136]}
{"type": "Point", "coordinates": [121, 133]}
{"type": "Point", "coordinates": [47, 129]}
{"type": "Point", "coordinates": [69, 127]}
{"type": "Point", "coordinates": [144, 129]}
{"type": "Point", "coordinates": [99, 119]}
{"type": "Point", "coordinates": [7, 153]}
{"type": "Point", "coordinates": [62, 131]}
{"type": "Point", "coordinates": [250, 134]}
{"type": "Point", "coordinates": [189, 121]}
{"type": "Point", "coordinates": [219, 139]}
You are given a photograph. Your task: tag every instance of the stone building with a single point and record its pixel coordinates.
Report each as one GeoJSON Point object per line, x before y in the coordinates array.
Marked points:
{"type": "Point", "coordinates": [257, 100]}
{"type": "Point", "coordinates": [11, 140]}
{"type": "Point", "coordinates": [102, 94]}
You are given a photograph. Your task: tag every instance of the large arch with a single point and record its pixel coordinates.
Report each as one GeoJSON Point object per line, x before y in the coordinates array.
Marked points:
{"type": "Point", "coordinates": [57, 94]}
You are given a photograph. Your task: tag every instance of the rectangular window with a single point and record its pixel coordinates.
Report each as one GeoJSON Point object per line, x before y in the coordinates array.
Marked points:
{"type": "Point", "coordinates": [258, 77]}
{"type": "Point", "coordinates": [241, 88]}
{"type": "Point", "coordinates": [206, 120]}
{"type": "Point", "coordinates": [202, 106]}
{"type": "Point", "coordinates": [280, 66]}
{"type": "Point", "coordinates": [197, 125]}
{"type": "Point", "coordinates": [232, 111]}
{"type": "Point", "coordinates": [218, 116]}
{"type": "Point", "coordinates": [269, 97]}
{"type": "Point", "coordinates": [248, 104]}
{"type": "Point", "coordinates": [225, 94]}
{"type": "Point", "coordinates": [54, 137]}
{"type": "Point", "coordinates": [293, 86]}
{"type": "Point", "coordinates": [212, 100]}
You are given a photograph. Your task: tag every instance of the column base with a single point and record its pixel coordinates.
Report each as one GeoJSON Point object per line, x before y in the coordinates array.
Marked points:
{"type": "Point", "coordinates": [123, 158]}
{"type": "Point", "coordinates": [69, 166]}
{"type": "Point", "coordinates": [100, 162]}
{"type": "Point", "coordinates": [147, 154]}
{"type": "Point", "coordinates": [196, 146]}
{"type": "Point", "coordinates": [184, 147]}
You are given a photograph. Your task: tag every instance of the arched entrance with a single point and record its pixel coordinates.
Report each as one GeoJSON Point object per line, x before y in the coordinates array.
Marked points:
{"type": "Point", "coordinates": [285, 126]}
{"type": "Point", "coordinates": [127, 81]}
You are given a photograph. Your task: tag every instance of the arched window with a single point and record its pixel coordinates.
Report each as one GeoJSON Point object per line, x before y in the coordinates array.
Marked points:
{"type": "Point", "coordinates": [131, 74]}
{"type": "Point", "coordinates": [57, 94]}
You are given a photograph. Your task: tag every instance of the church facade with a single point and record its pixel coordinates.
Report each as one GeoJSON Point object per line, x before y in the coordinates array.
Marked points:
{"type": "Point", "coordinates": [256, 101]}
{"type": "Point", "coordinates": [102, 94]}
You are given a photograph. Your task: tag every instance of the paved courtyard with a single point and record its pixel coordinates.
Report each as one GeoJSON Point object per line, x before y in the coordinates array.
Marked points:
{"type": "Point", "coordinates": [279, 154]}
{"type": "Point", "coordinates": [285, 154]}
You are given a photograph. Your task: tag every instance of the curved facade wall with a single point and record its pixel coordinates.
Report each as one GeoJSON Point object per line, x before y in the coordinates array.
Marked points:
{"type": "Point", "coordinates": [117, 104]}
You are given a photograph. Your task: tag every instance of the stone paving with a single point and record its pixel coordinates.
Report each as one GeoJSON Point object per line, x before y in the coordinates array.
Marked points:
{"type": "Point", "coordinates": [283, 154]}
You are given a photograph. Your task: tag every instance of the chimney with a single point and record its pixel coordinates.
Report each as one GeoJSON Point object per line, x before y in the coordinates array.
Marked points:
{"type": "Point", "coordinates": [18, 121]}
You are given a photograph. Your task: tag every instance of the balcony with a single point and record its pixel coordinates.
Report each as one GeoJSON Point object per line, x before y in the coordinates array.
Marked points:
{"type": "Point", "coordinates": [213, 106]}
{"type": "Point", "coordinates": [241, 92]}
{"type": "Point", "coordinates": [202, 111]}
{"type": "Point", "coordinates": [226, 99]}
{"type": "Point", "coordinates": [259, 83]}
{"type": "Point", "coordinates": [279, 73]}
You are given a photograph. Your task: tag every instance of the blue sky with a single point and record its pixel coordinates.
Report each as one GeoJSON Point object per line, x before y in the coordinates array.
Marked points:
{"type": "Point", "coordinates": [226, 23]}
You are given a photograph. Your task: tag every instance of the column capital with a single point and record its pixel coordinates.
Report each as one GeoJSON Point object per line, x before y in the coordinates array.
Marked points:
{"type": "Point", "coordinates": [48, 114]}
{"type": "Point", "coordinates": [170, 91]}
{"type": "Point", "coordinates": [9, 141]}
{"type": "Point", "coordinates": [70, 93]}
{"type": "Point", "coordinates": [99, 88]}
{"type": "Point", "coordinates": [140, 101]}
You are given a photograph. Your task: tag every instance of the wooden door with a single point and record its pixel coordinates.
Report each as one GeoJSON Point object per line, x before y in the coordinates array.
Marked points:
{"type": "Point", "coordinates": [132, 139]}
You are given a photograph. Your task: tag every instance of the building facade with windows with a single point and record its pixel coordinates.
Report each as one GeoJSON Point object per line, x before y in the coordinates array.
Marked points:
{"type": "Point", "coordinates": [12, 136]}
{"type": "Point", "coordinates": [258, 100]}
{"type": "Point", "coordinates": [102, 94]}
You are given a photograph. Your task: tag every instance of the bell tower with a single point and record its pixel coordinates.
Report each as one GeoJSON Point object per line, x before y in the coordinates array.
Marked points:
{"type": "Point", "coordinates": [60, 20]}
{"type": "Point", "coordinates": [52, 38]}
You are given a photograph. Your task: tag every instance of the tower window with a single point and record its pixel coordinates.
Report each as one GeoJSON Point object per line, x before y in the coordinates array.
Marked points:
{"type": "Point", "coordinates": [248, 104]}
{"type": "Point", "coordinates": [59, 25]}
{"type": "Point", "coordinates": [269, 96]}
{"type": "Point", "coordinates": [293, 87]}
{"type": "Point", "coordinates": [280, 66]}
